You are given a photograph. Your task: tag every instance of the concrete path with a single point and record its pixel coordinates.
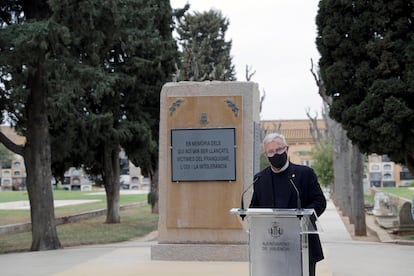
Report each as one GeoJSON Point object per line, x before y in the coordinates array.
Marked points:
{"type": "Point", "coordinates": [344, 257]}
{"type": "Point", "coordinates": [347, 257]}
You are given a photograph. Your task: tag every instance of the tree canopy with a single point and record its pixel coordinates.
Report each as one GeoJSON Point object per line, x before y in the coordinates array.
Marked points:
{"type": "Point", "coordinates": [205, 51]}
{"type": "Point", "coordinates": [124, 52]}
{"type": "Point", "coordinates": [84, 77]}
{"type": "Point", "coordinates": [367, 66]}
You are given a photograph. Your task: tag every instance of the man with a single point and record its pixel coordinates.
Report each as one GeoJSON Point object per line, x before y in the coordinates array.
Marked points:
{"type": "Point", "coordinates": [273, 188]}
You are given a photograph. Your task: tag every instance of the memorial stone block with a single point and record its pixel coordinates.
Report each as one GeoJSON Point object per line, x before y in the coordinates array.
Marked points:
{"type": "Point", "coordinates": [207, 157]}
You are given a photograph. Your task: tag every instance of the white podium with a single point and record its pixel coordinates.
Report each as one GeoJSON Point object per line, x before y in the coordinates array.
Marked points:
{"type": "Point", "coordinates": [278, 240]}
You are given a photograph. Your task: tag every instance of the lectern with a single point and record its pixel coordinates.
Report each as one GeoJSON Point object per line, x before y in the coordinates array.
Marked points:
{"type": "Point", "coordinates": [278, 240]}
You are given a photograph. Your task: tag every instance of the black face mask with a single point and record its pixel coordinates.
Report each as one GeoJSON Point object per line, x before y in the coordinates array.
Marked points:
{"type": "Point", "coordinates": [278, 160]}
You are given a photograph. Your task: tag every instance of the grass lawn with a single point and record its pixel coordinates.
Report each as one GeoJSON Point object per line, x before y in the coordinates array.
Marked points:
{"type": "Point", "coordinates": [20, 216]}
{"type": "Point", "coordinates": [135, 222]}
{"type": "Point", "coordinates": [404, 192]}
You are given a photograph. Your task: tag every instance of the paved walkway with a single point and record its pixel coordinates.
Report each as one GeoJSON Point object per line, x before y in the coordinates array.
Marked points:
{"type": "Point", "coordinates": [347, 257]}
{"type": "Point", "coordinates": [344, 257]}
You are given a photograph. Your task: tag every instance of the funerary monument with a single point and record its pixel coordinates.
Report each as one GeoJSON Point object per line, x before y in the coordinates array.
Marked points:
{"type": "Point", "coordinates": [208, 153]}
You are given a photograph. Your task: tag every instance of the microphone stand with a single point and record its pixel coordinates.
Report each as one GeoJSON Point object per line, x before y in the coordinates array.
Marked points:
{"type": "Point", "coordinates": [298, 204]}
{"type": "Point", "coordinates": [242, 201]}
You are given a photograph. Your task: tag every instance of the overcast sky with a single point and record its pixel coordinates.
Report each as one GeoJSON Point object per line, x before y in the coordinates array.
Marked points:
{"type": "Point", "coordinates": [277, 39]}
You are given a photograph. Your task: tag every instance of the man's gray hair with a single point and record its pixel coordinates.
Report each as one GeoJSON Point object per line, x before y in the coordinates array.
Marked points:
{"type": "Point", "coordinates": [274, 136]}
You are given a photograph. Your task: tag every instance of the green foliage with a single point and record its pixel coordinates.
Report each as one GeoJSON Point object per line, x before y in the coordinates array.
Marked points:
{"type": "Point", "coordinates": [366, 64]}
{"type": "Point", "coordinates": [369, 199]}
{"type": "Point", "coordinates": [117, 56]}
{"type": "Point", "coordinates": [103, 71]}
{"type": "Point", "coordinates": [23, 48]}
{"type": "Point", "coordinates": [264, 162]}
{"type": "Point", "coordinates": [205, 52]}
{"type": "Point", "coordinates": [323, 164]}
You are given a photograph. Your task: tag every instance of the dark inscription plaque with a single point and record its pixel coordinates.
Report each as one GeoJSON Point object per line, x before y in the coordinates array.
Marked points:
{"type": "Point", "coordinates": [203, 154]}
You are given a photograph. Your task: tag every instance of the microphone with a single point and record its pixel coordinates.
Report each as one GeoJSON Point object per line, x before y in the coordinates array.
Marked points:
{"type": "Point", "coordinates": [244, 192]}
{"type": "Point", "coordinates": [299, 205]}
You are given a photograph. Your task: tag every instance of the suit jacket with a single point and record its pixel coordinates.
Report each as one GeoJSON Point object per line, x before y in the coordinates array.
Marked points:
{"type": "Point", "coordinates": [311, 196]}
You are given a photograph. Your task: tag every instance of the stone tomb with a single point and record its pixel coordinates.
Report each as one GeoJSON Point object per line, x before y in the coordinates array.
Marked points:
{"type": "Point", "coordinates": [406, 221]}
{"type": "Point", "coordinates": [208, 154]}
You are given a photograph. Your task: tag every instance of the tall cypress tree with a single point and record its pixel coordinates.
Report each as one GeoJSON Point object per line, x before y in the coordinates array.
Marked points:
{"type": "Point", "coordinates": [205, 51]}
{"type": "Point", "coordinates": [367, 66]}
{"type": "Point", "coordinates": [26, 56]}
{"type": "Point", "coordinates": [125, 53]}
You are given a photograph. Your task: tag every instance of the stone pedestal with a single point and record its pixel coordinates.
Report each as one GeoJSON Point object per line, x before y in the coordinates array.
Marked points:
{"type": "Point", "coordinates": [208, 153]}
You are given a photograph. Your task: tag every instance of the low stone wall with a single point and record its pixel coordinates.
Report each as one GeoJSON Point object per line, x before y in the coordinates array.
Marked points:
{"type": "Point", "coordinates": [399, 201]}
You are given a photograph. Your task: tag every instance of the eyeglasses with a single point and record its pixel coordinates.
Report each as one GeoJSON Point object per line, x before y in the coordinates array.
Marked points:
{"type": "Point", "coordinates": [272, 152]}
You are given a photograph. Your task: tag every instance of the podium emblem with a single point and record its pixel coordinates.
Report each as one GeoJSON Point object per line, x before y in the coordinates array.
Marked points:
{"type": "Point", "coordinates": [276, 231]}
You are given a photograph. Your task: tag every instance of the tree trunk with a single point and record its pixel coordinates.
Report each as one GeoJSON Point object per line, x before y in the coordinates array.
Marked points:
{"type": "Point", "coordinates": [111, 183]}
{"type": "Point", "coordinates": [153, 195]}
{"type": "Point", "coordinates": [358, 193]}
{"type": "Point", "coordinates": [341, 168]}
{"type": "Point", "coordinates": [342, 173]}
{"type": "Point", "coordinates": [37, 158]}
